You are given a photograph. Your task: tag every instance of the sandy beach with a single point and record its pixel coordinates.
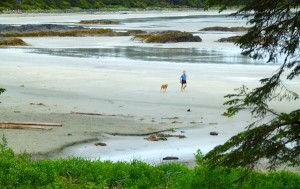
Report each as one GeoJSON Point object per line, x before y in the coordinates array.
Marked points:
{"type": "Point", "coordinates": [125, 95]}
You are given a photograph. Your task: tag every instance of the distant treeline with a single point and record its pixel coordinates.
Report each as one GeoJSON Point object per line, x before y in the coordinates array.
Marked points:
{"type": "Point", "coordinates": [96, 4]}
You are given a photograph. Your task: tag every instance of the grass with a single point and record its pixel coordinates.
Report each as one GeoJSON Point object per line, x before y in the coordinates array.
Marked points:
{"type": "Point", "coordinates": [12, 42]}
{"type": "Point", "coordinates": [20, 171]}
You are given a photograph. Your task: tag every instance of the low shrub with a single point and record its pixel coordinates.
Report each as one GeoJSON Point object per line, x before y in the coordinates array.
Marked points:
{"type": "Point", "coordinates": [20, 171]}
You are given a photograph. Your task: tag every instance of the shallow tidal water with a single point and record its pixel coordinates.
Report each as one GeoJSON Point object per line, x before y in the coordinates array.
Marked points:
{"type": "Point", "coordinates": [207, 51]}
{"type": "Point", "coordinates": [173, 55]}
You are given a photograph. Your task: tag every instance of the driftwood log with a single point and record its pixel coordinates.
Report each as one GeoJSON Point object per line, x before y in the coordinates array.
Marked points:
{"type": "Point", "coordinates": [28, 125]}
{"type": "Point", "coordinates": [94, 114]}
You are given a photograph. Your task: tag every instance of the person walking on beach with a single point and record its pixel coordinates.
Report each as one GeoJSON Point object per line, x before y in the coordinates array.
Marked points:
{"type": "Point", "coordinates": [183, 81]}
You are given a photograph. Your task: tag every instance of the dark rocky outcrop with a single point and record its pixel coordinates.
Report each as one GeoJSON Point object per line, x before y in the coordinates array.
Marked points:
{"type": "Point", "coordinates": [168, 37]}
{"type": "Point", "coordinates": [47, 30]}
{"type": "Point", "coordinates": [12, 41]}
{"type": "Point", "coordinates": [225, 29]}
{"type": "Point", "coordinates": [171, 158]}
{"type": "Point", "coordinates": [214, 133]}
{"type": "Point", "coordinates": [36, 27]}
{"type": "Point", "coordinates": [232, 39]}
{"type": "Point", "coordinates": [135, 32]}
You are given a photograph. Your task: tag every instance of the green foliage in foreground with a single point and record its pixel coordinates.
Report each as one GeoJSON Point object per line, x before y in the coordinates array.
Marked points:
{"type": "Point", "coordinates": [20, 171]}
{"type": "Point", "coordinates": [274, 135]}
{"type": "Point", "coordinates": [2, 91]}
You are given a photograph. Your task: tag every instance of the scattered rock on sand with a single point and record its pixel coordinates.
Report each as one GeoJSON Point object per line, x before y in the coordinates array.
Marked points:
{"type": "Point", "coordinates": [161, 136]}
{"type": "Point", "coordinates": [170, 118]}
{"type": "Point", "coordinates": [214, 133]}
{"type": "Point", "coordinates": [176, 122]}
{"type": "Point", "coordinates": [155, 138]}
{"type": "Point", "coordinates": [100, 144]}
{"type": "Point", "coordinates": [170, 158]}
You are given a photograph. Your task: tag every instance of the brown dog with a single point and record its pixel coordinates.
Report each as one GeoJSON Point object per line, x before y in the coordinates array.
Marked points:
{"type": "Point", "coordinates": [164, 87]}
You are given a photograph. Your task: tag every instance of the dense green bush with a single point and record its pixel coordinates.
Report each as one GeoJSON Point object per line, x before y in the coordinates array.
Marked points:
{"type": "Point", "coordinates": [20, 171]}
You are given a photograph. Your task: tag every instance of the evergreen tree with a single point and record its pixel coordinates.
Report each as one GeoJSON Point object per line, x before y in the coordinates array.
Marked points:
{"type": "Point", "coordinates": [274, 35]}
{"type": "Point", "coordinates": [10, 4]}
{"type": "Point", "coordinates": [2, 91]}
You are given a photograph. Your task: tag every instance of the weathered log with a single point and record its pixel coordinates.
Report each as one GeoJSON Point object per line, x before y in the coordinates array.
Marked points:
{"type": "Point", "coordinates": [170, 158]}
{"type": "Point", "coordinates": [94, 114]}
{"type": "Point", "coordinates": [33, 123]}
{"type": "Point", "coordinates": [19, 126]}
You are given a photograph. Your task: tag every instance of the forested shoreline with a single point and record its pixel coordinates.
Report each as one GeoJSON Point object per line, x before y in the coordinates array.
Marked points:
{"type": "Point", "coordinates": [97, 4]}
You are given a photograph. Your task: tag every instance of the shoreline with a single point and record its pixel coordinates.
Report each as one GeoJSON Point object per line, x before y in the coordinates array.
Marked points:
{"type": "Point", "coordinates": [111, 10]}
{"type": "Point", "coordinates": [126, 92]}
